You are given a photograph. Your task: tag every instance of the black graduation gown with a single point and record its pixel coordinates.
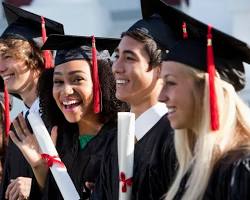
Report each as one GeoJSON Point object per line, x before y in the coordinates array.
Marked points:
{"type": "Point", "coordinates": [154, 166]}
{"type": "Point", "coordinates": [82, 164]}
{"type": "Point", "coordinates": [15, 165]}
{"type": "Point", "coordinates": [230, 179]}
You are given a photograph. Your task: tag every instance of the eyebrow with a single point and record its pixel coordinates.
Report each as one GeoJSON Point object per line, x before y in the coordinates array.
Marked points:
{"type": "Point", "coordinates": [70, 73]}
{"type": "Point", "coordinates": [168, 75]}
{"type": "Point", "coordinates": [125, 51]}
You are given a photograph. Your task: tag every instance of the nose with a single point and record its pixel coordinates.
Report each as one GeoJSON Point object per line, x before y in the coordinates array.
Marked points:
{"type": "Point", "coordinates": [68, 89]}
{"type": "Point", "coordinates": [163, 97]}
{"type": "Point", "coordinates": [3, 68]}
{"type": "Point", "coordinates": [118, 67]}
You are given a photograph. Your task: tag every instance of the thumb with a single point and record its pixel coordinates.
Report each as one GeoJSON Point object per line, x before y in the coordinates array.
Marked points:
{"type": "Point", "coordinates": [54, 134]}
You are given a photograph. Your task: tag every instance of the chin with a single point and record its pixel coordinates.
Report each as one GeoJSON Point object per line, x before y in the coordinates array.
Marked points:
{"type": "Point", "coordinates": [121, 97]}
{"type": "Point", "coordinates": [71, 119]}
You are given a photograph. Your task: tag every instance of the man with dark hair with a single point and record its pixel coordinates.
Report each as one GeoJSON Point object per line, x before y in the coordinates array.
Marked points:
{"type": "Point", "coordinates": [136, 70]}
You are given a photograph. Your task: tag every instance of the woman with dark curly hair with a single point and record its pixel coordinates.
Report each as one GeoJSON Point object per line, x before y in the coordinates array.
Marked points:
{"type": "Point", "coordinates": [67, 99]}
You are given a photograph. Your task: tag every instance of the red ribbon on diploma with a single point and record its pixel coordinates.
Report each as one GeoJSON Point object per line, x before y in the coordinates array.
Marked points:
{"type": "Point", "coordinates": [125, 181]}
{"type": "Point", "coordinates": [51, 160]}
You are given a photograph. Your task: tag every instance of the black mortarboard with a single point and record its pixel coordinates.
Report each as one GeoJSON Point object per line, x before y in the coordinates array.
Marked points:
{"type": "Point", "coordinates": [154, 27]}
{"type": "Point", "coordinates": [229, 52]}
{"type": "Point", "coordinates": [26, 25]}
{"type": "Point", "coordinates": [71, 47]}
{"type": "Point", "coordinates": [208, 49]}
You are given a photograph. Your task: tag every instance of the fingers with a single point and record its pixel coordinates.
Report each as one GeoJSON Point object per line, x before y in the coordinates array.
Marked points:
{"type": "Point", "coordinates": [14, 138]}
{"type": "Point", "coordinates": [19, 131]}
{"type": "Point", "coordinates": [54, 134]}
{"type": "Point", "coordinates": [12, 191]}
{"type": "Point", "coordinates": [89, 185]}
{"type": "Point", "coordinates": [23, 125]}
{"type": "Point", "coordinates": [10, 186]}
{"type": "Point", "coordinates": [19, 188]}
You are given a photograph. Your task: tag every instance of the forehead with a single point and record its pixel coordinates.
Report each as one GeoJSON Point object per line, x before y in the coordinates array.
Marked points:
{"type": "Point", "coordinates": [74, 65]}
{"type": "Point", "coordinates": [129, 43]}
{"type": "Point", "coordinates": [173, 68]}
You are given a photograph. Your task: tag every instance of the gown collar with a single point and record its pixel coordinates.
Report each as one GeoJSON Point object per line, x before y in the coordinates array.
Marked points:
{"type": "Point", "coordinates": [148, 119]}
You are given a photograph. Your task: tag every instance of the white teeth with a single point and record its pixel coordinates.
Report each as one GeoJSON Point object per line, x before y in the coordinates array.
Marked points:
{"type": "Point", "coordinates": [6, 77]}
{"type": "Point", "coordinates": [68, 103]}
{"type": "Point", "coordinates": [171, 110]}
{"type": "Point", "coordinates": [121, 81]}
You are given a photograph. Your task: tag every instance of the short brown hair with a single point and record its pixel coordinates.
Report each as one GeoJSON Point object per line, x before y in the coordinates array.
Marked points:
{"type": "Point", "coordinates": [150, 46]}
{"type": "Point", "coordinates": [22, 50]}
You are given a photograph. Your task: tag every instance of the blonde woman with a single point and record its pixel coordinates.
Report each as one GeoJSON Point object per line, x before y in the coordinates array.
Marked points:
{"type": "Point", "coordinates": [212, 127]}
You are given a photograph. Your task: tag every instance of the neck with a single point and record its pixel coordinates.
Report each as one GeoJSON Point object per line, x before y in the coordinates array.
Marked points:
{"type": "Point", "coordinates": [140, 106]}
{"type": "Point", "coordinates": [89, 126]}
{"type": "Point", "coordinates": [29, 93]}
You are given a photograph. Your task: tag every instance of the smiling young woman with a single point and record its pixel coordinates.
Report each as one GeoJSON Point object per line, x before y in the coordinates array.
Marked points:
{"type": "Point", "coordinates": [201, 76]}
{"type": "Point", "coordinates": [67, 101]}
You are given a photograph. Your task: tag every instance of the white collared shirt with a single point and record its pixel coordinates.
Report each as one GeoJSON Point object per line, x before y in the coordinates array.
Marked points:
{"type": "Point", "coordinates": [148, 119]}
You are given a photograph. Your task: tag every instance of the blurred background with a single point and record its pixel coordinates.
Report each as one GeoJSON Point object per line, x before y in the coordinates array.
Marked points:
{"type": "Point", "coordinates": [109, 18]}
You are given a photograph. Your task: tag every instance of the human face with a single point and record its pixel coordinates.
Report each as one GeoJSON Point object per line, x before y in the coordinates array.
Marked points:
{"type": "Point", "coordinates": [15, 73]}
{"type": "Point", "coordinates": [134, 79]}
{"type": "Point", "coordinates": [178, 94]}
{"type": "Point", "coordinates": [72, 89]}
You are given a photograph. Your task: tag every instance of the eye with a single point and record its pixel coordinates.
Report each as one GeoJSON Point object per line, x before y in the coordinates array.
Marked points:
{"type": "Point", "coordinates": [114, 57]}
{"type": "Point", "coordinates": [78, 80]}
{"type": "Point", "coordinates": [57, 82]}
{"type": "Point", "coordinates": [170, 83]}
{"type": "Point", "coordinates": [128, 57]}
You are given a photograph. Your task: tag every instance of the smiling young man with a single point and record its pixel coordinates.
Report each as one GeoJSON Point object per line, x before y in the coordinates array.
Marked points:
{"type": "Point", "coordinates": [136, 70]}
{"type": "Point", "coordinates": [21, 63]}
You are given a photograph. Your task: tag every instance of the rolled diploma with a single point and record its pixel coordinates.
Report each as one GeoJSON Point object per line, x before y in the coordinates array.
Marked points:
{"type": "Point", "coordinates": [126, 142]}
{"type": "Point", "coordinates": [60, 174]}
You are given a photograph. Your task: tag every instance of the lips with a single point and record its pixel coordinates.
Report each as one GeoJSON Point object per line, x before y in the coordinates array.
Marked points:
{"type": "Point", "coordinates": [121, 81]}
{"type": "Point", "coordinates": [70, 104]}
{"type": "Point", "coordinates": [171, 110]}
{"type": "Point", "coordinates": [7, 77]}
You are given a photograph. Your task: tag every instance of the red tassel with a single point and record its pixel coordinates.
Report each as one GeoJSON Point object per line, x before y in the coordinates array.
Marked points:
{"type": "Point", "coordinates": [48, 59]}
{"type": "Point", "coordinates": [214, 114]}
{"type": "Point", "coordinates": [184, 30]}
{"type": "Point", "coordinates": [96, 84]}
{"type": "Point", "coordinates": [6, 111]}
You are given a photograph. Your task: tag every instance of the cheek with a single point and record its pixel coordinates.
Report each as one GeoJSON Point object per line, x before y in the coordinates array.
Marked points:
{"type": "Point", "coordinates": [55, 94]}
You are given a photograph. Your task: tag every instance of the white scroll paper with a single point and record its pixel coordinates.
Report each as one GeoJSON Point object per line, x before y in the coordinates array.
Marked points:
{"type": "Point", "coordinates": [126, 142]}
{"type": "Point", "coordinates": [60, 174]}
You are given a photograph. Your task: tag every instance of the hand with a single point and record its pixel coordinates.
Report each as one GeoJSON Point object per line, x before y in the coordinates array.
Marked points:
{"type": "Point", "coordinates": [26, 142]}
{"type": "Point", "coordinates": [18, 189]}
{"type": "Point", "coordinates": [90, 185]}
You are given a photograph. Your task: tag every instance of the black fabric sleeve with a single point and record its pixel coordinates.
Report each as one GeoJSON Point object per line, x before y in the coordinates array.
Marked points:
{"type": "Point", "coordinates": [230, 182]}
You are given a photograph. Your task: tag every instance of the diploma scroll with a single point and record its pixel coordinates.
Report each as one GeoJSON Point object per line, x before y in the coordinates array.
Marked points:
{"type": "Point", "coordinates": [126, 142]}
{"type": "Point", "coordinates": [60, 173]}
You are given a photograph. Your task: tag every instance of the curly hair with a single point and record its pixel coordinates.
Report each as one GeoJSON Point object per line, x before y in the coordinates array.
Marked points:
{"type": "Point", "coordinates": [52, 115]}
{"type": "Point", "coordinates": [22, 50]}
{"type": "Point", "coordinates": [150, 46]}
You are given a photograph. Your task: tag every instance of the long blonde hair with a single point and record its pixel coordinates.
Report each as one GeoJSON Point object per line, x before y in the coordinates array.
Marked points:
{"type": "Point", "coordinates": [199, 149]}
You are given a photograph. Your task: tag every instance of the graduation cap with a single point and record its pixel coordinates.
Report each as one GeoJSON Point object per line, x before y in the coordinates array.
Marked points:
{"type": "Point", "coordinates": [154, 27]}
{"type": "Point", "coordinates": [25, 25]}
{"type": "Point", "coordinates": [208, 49]}
{"type": "Point", "coordinates": [28, 26]}
{"type": "Point", "coordinates": [70, 47]}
